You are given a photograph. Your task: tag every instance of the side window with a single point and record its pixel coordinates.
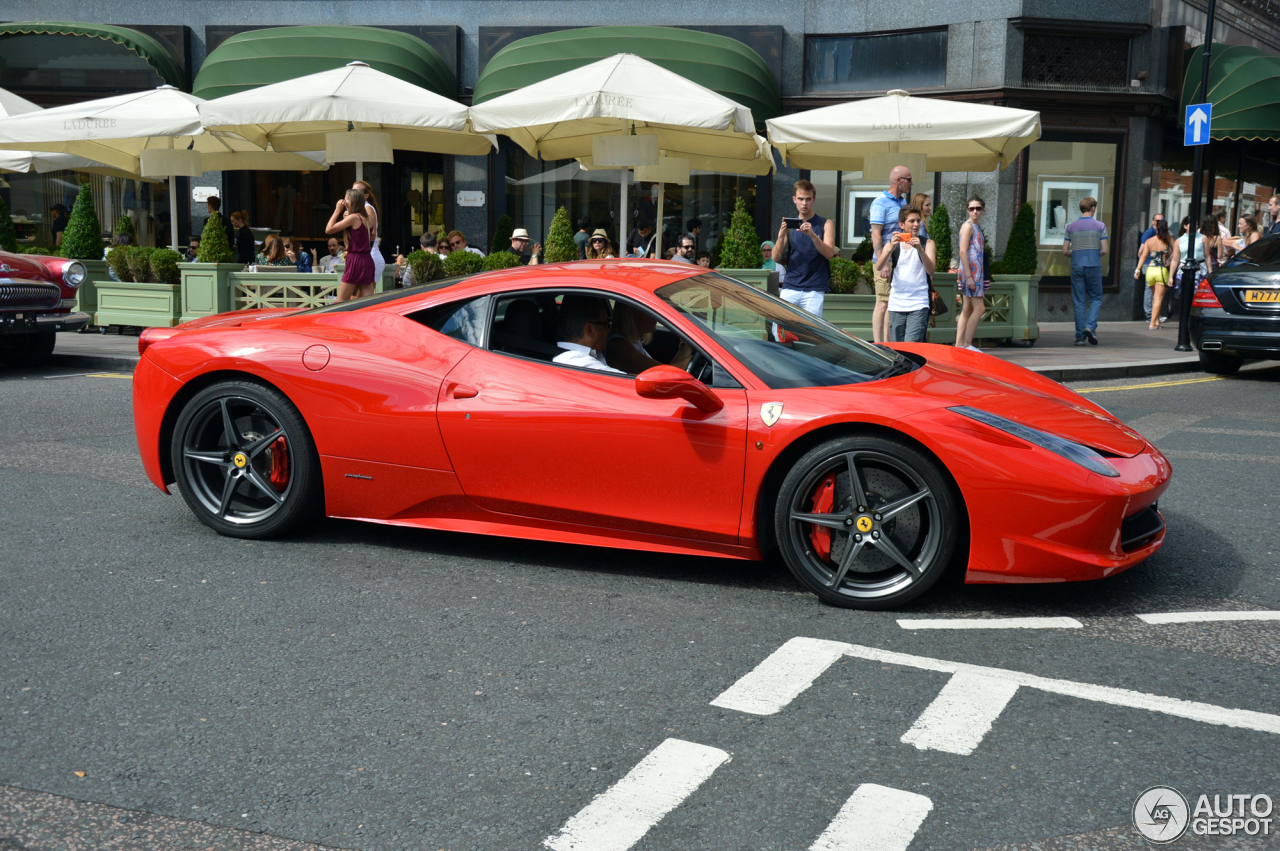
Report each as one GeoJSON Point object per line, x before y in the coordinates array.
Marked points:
{"type": "Point", "coordinates": [461, 320]}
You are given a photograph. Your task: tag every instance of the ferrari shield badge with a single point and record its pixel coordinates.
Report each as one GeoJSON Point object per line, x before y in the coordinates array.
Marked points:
{"type": "Point", "coordinates": [771, 412]}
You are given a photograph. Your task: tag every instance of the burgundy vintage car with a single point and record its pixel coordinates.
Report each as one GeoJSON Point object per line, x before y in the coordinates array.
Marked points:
{"type": "Point", "coordinates": [37, 299]}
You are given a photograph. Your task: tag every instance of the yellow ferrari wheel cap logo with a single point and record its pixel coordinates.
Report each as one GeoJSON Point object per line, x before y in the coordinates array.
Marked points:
{"type": "Point", "coordinates": [771, 412]}
{"type": "Point", "coordinates": [864, 523]}
{"type": "Point", "coordinates": [240, 460]}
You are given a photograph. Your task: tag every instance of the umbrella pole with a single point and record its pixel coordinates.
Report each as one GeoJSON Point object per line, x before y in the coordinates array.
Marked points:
{"type": "Point", "coordinates": [659, 223]}
{"type": "Point", "coordinates": [173, 211]}
{"type": "Point", "coordinates": [359, 170]}
{"type": "Point", "coordinates": [622, 228]}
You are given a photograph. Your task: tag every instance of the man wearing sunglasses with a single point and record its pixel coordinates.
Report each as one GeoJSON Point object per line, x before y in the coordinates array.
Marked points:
{"type": "Point", "coordinates": [583, 329]}
{"type": "Point", "coordinates": [685, 250]}
{"type": "Point", "coordinates": [458, 242]}
{"type": "Point", "coordinates": [884, 224]}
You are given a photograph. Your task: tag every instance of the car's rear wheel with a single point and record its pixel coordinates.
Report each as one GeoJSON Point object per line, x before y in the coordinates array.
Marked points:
{"type": "Point", "coordinates": [245, 461]}
{"type": "Point", "coordinates": [27, 349]}
{"type": "Point", "coordinates": [866, 522]}
{"type": "Point", "coordinates": [1219, 364]}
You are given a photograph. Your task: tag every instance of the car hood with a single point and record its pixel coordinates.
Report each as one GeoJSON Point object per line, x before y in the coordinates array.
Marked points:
{"type": "Point", "coordinates": [973, 380]}
{"type": "Point", "coordinates": [237, 317]}
{"type": "Point", "coordinates": [30, 266]}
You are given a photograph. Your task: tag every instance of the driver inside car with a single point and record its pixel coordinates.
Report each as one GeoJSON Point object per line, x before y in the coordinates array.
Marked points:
{"type": "Point", "coordinates": [632, 331]}
{"type": "Point", "coordinates": [583, 329]}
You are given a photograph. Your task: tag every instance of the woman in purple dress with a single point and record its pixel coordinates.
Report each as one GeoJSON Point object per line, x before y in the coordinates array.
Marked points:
{"type": "Point", "coordinates": [350, 215]}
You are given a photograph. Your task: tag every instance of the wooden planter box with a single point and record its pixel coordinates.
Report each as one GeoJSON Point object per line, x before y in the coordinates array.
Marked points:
{"type": "Point", "coordinates": [87, 295]}
{"type": "Point", "coordinates": [761, 279]}
{"type": "Point", "coordinates": [1009, 315]}
{"type": "Point", "coordinates": [206, 289]}
{"type": "Point", "coordinates": [1024, 302]}
{"type": "Point", "coordinates": [140, 305]}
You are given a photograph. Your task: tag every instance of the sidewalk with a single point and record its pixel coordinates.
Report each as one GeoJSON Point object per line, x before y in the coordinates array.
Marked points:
{"type": "Point", "coordinates": [1124, 349]}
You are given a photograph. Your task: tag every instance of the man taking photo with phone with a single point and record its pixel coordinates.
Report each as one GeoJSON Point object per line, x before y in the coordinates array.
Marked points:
{"type": "Point", "coordinates": [807, 257]}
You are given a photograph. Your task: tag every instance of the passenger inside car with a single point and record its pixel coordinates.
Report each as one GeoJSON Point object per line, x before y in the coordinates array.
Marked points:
{"type": "Point", "coordinates": [633, 329]}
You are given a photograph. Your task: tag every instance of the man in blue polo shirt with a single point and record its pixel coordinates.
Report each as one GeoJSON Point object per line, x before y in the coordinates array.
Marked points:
{"type": "Point", "coordinates": [884, 224]}
{"type": "Point", "coordinates": [1086, 244]}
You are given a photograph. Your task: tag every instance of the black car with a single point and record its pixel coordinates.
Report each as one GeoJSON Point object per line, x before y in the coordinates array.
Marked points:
{"type": "Point", "coordinates": [1235, 313]}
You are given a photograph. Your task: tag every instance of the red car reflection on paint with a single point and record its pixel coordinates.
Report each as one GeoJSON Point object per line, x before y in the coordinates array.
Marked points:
{"type": "Point", "coordinates": [872, 469]}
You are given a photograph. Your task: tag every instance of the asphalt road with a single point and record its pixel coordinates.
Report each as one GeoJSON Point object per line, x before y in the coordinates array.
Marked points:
{"type": "Point", "coordinates": [370, 688]}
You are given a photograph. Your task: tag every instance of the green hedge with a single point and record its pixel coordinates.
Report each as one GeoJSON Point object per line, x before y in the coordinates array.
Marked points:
{"type": "Point", "coordinates": [460, 263]}
{"type": "Point", "coordinates": [425, 265]}
{"type": "Point", "coordinates": [118, 260]}
{"type": "Point", "coordinates": [214, 247]}
{"type": "Point", "coordinates": [164, 265]}
{"type": "Point", "coordinates": [500, 260]}
{"type": "Point", "coordinates": [139, 260]}
{"type": "Point", "coordinates": [82, 240]}
{"type": "Point", "coordinates": [560, 247]}
{"type": "Point", "coordinates": [740, 247]}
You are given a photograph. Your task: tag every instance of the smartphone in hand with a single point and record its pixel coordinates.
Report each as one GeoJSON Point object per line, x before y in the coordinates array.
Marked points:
{"type": "Point", "coordinates": [793, 222]}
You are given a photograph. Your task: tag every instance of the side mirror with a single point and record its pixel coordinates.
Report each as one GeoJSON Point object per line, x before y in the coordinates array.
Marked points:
{"type": "Point", "coordinates": [669, 382]}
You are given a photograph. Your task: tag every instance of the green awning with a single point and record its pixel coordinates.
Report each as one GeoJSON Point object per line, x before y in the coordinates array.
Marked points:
{"type": "Point", "coordinates": [720, 63]}
{"type": "Point", "coordinates": [1244, 88]}
{"type": "Point", "coordinates": [261, 57]}
{"type": "Point", "coordinates": [142, 44]}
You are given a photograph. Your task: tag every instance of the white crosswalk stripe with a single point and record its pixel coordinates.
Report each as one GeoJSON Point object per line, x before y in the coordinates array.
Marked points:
{"type": "Point", "coordinates": [875, 818]}
{"type": "Point", "coordinates": [962, 713]}
{"type": "Point", "coordinates": [1208, 617]}
{"type": "Point", "coordinates": [990, 623]}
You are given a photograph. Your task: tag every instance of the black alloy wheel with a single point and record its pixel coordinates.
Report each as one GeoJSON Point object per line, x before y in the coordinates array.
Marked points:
{"type": "Point", "coordinates": [245, 461]}
{"type": "Point", "coordinates": [866, 522]}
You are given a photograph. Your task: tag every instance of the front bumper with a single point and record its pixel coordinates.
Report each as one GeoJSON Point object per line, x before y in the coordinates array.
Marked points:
{"type": "Point", "coordinates": [34, 322]}
{"type": "Point", "coordinates": [1215, 330]}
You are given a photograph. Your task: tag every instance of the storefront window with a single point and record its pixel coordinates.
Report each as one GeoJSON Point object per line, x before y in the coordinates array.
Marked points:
{"type": "Point", "coordinates": [1059, 175]}
{"type": "Point", "coordinates": [876, 63]}
{"type": "Point", "coordinates": [31, 196]}
{"type": "Point", "coordinates": [535, 190]}
{"type": "Point", "coordinates": [72, 63]}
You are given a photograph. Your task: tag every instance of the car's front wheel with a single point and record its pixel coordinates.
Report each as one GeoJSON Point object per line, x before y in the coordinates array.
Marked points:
{"type": "Point", "coordinates": [867, 522]}
{"type": "Point", "coordinates": [245, 461]}
{"type": "Point", "coordinates": [1216, 363]}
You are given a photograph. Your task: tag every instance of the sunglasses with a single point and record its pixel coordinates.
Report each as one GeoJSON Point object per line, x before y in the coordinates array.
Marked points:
{"type": "Point", "coordinates": [601, 241]}
{"type": "Point", "coordinates": [607, 323]}
{"type": "Point", "coordinates": [686, 248]}
{"type": "Point", "coordinates": [976, 209]}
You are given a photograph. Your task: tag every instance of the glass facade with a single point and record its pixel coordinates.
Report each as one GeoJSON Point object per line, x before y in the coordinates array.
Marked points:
{"type": "Point", "coordinates": [1059, 175]}
{"type": "Point", "coordinates": [31, 196]}
{"type": "Point", "coordinates": [876, 63]}
{"type": "Point", "coordinates": [535, 190]}
{"type": "Point", "coordinates": [43, 63]}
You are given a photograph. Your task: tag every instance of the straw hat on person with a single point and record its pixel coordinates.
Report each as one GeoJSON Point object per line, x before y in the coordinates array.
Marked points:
{"type": "Point", "coordinates": [519, 233]}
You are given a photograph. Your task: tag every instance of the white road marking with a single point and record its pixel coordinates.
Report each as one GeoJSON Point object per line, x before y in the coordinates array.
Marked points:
{"type": "Point", "coordinates": [778, 680]}
{"type": "Point", "coordinates": [620, 816]}
{"type": "Point", "coordinates": [1201, 617]}
{"type": "Point", "coordinates": [1159, 426]}
{"type": "Point", "coordinates": [991, 623]}
{"type": "Point", "coordinates": [875, 818]}
{"type": "Point", "coordinates": [750, 693]}
{"type": "Point", "coordinates": [961, 714]}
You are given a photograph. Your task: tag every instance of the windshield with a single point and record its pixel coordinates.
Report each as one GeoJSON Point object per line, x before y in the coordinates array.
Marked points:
{"type": "Point", "coordinates": [1264, 252]}
{"type": "Point", "coordinates": [785, 347]}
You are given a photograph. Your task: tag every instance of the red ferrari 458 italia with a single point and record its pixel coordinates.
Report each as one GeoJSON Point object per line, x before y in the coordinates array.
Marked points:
{"type": "Point", "coordinates": [650, 406]}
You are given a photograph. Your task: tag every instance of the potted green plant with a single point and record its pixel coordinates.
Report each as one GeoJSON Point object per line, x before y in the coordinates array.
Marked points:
{"type": "Point", "coordinates": [152, 298]}
{"type": "Point", "coordinates": [124, 225]}
{"type": "Point", "coordinates": [460, 263]}
{"type": "Point", "coordinates": [739, 250]}
{"type": "Point", "coordinates": [1017, 271]}
{"type": "Point", "coordinates": [207, 287]}
{"type": "Point", "coordinates": [849, 304]}
{"type": "Point", "coordinates": [425, 266]}
{"type": "Point", "coordinates": [560, 247]}
{"type": "Point", "coordinates": [500, 260]}
{"type": "Point", "coordinates": [8, 235]}
{"type": "Point", "coordinates": [82, 240]}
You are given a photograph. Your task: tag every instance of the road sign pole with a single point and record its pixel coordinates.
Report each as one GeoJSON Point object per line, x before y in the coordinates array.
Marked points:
{"type": "Point", "coordinates": [1189, 265]}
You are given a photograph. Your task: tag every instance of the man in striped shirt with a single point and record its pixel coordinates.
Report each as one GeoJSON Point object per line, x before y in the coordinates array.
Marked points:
{"type": "Point", "coordinates": [1086, 244]}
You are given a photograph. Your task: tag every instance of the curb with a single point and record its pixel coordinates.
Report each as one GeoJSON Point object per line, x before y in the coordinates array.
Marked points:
{"type": "Point", "coordinates": [1135, 369]}
{"type": "Point", "coordinates": [104, 362]}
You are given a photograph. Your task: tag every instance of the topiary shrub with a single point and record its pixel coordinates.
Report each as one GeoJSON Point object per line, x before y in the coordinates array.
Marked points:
{"type": "Point", "coordinates": [214, 247]}
{"type": "Point", "coordinates": [502, 230]}
{"type": "Point", "coordinates": [560, 246]}
{"type": "Point", "coordinates": [8, 236]}
{"type": "Point", "coordinates": [425, 266]}
{"type": "Point", "coordinates": [125, 225]}
{"type": "Point", "coordinates": [845, 276]}
{"type": "Point", "coordinates": [82, 240]}
{"type": "Point", "coordinates": [740, 247]}
{"type": "Point", "coordinates": [118, 260]}
{"type": "Point", "coordinates": [164, 265]}
{"type": "Point", "coordinates": [460, 263]}
{"type": "Point", "coordinates": [139, 260]}
{"type": "Point", "coordinates": [939, 227]}
{"type": "Point", "coordinates": [500, 260]}
{"type": "Point", "coordinates": [1020, 252]}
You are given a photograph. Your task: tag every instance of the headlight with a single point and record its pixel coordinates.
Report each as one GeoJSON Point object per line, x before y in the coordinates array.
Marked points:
{"type": "Point", "coordinates": [73, 274]}
{"type": "Point", "coordinates": [1069, 449]}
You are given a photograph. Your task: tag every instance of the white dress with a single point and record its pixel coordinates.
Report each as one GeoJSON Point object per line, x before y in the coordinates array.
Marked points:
{"type": "Point", "coordinates": [379, 262]}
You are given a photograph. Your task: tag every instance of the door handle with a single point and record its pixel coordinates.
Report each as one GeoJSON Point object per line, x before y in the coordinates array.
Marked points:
{"type": "Point", "coordinates": [462, 391]}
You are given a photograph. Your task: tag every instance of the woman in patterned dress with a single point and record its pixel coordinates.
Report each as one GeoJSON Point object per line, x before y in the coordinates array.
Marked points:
{"type": "Point", "coordinates": [972, 279]}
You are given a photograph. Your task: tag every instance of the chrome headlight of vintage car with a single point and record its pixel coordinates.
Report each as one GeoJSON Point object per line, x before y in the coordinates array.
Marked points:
{"type": "Point", "coordinates": [1069, 449]}
{"type": "Point", "coordinates": [74, 274]}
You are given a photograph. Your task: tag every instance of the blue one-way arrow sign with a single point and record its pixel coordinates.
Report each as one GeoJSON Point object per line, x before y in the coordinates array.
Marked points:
{"type": "Point", "coordinates": [1196, 124]}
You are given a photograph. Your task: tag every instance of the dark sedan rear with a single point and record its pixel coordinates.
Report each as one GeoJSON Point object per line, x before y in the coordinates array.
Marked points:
{"type": "Point", "coordinates": [1236, 311]}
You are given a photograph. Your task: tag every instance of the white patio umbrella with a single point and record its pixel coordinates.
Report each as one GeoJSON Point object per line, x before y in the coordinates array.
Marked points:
{"type": "Point", "coordinates": [561, 116]}
{"type": "Point", "coordinates": [953, 136]}
{"type": "Point", "coordinates": [153, 133]}
{"type": "Point", "coordinates": [41, 161]}
{"type": "Point", "coordinates": [303, 113]}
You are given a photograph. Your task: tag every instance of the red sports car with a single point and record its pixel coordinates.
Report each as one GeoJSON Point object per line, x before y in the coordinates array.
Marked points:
{"type": "Point", "coordinates": [488, 404]}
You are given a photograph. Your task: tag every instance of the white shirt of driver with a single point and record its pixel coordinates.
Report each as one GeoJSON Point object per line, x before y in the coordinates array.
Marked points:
{"type": "Point", "coordinates": [577, 355]}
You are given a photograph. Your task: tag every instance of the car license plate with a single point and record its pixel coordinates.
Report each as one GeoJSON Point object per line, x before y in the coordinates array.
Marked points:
{"type": "Point", "coordinates": [1262, 296]}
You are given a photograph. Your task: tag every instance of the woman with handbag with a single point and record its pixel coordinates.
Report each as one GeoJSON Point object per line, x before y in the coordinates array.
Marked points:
{"type": "Point", "coordinates": [913, 262]}
{"type": "Point", "coordinates": [1163, 253]}
{"type": "Point", "coordinates": [972, 280]}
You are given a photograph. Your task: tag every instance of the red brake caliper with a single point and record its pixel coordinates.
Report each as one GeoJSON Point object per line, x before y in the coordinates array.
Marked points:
{"type": "Point", "coordinates": [279, 465]}
{"type": "Point", "coordinates": [824, 498]}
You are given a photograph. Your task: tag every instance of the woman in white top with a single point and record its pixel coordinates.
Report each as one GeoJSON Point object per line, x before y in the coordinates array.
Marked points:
{"type": "Point", "coordinates": [913, 263]}
{"type": "Point", "coordinates": [630, 330]}
{"type": "Point", "coordinates": [370, 202]}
